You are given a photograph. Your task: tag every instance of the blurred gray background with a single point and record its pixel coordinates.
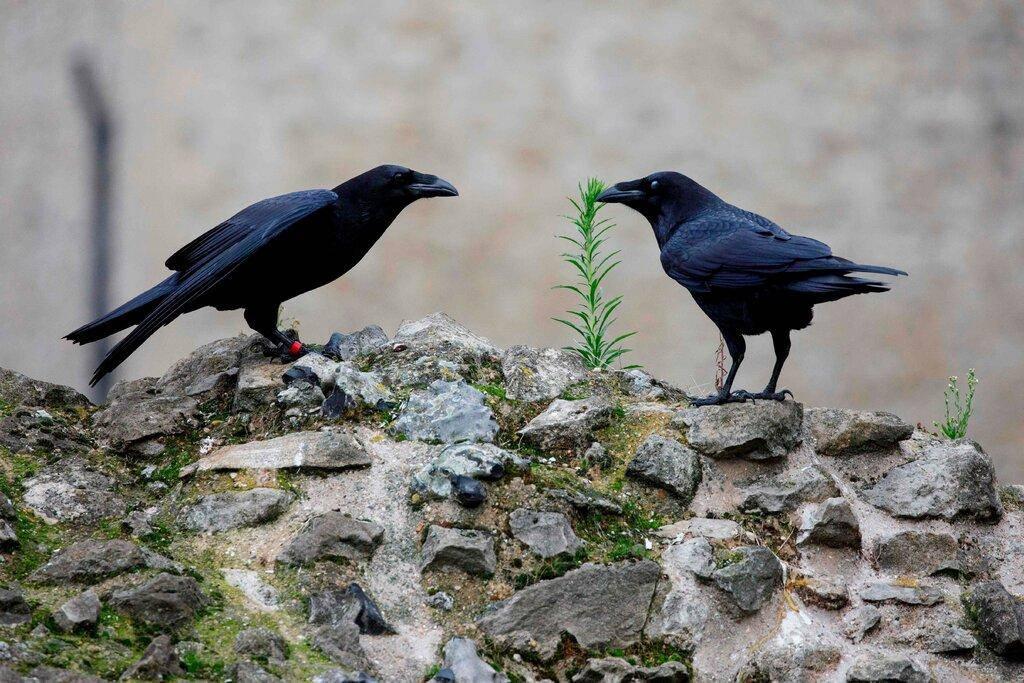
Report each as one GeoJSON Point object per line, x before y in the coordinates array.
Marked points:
{"type": "Point", "coordinates": [893, 131]}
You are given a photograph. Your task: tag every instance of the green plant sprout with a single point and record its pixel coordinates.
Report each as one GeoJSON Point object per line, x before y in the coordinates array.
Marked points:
{"type": "Point", "coordinates": [958, 408]}
{"type": "Point", "coordinates": [593, 317]}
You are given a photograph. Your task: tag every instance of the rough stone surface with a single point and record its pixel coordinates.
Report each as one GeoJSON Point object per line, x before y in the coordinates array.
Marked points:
{"type": "Point", "coordinates": [159, 661]}
{"type": "Point", "coordinates": [752, 578]}
{"type": "Point", "coordinates": [999, 617]}
{"type": "Point", "coordinates": [332, 536]}
{"type": "Point", "coordinates": [780, 494]}
{"type": "Point", "coordinates": [949, 480]}
{"type": "Point", "coordinates": [301, 394]}
{"type": "Point", "coordinates": [849, 432]}
{"type": "Point", "coordinates": [209, 370]}
{"type": "Point", "coordinates": [465, 549]}
{"type": "Point", "coordinates": [636, 382]}
{"type": "Point", "coordinates": [367, 388]}
{"type": "Point", "coordinates": [14, 609]}
{"type": "Point", "coordinates": [913, 594]}
{"type": "Point", "coordinates": [261, 595]}
{"type": "Point", "coordinates": [94, 560]}
{"type": "Point", "coordinates": [831, 523]}
{"type": "Point", "coordinates": [18, 389]}
{"type": "Point", "coordinates": [232, 510]}
{"type": "Point", "coordinates": [601, 606]}
{"type": "Point", "coordinates": [138, 413]}
{"type": "Point", "coordinates": [250, 672]}
{"type": "Point", "coordinates": [567, 424]}
{"type": "Point", "coordinates": [667, 464]}
{"type": "Point", "coordinates": [883, 666]}
{"type": "Point", "coordinates": [618, 670]}
{"type": "Point", "coordinates": [165, 602]}
{"type": "Point", "coordinates": [546, 533]}
{"type": "Point", "coordinates": [920, 553]}
{"type": "Point", "coordinates": [261, 643]}
{"type": "Point", "coordinates": [80, 613]}
{"type": "Point", "coordinates": [439, 336]}
{"type": "Point", "coordinates": [822, 593]}
{"type": "Point", "coordinates": [755, 431]}
{"type": "Point", "coordinates": [72, 492]}
{"type": "Point", "coordinates": [540, 374]}
{"type": "Point", "coordinates": [860, 620]}
{"type": "Point", "coordinates": [484, 462]}
{"type": "Point", "coordinates": [328, 450]}
{"type": "Point", "coordinates": [335, 631]}
{"type": "Point", "coordinates": [695, 555]}
{"type": "Point", "coordinates": [715, 529]}
{"type": "Point", "coordinates": [447, 412]}
{"type": "Point", "coordinates": [258, 385]}
{"type": "Point", "coordinates": [361, 343]}
{"type": "Point", "coordinates": [460, 656]}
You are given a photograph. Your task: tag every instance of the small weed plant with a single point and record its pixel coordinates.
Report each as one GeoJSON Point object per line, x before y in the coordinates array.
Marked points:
{"type": "Point", "coordinates": [593, 316]}
{"type": "Point", "coordinates": [958, 407]}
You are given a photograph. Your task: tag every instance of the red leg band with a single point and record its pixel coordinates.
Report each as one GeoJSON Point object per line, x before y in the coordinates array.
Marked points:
{"type": "Point", "coordinates": [296, 348]}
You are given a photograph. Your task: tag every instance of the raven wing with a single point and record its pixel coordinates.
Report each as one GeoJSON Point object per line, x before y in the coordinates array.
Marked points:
{"type": "Point", "coordinates": [286, 208]}
{"type": "Point", "coordinates": [211, 258]}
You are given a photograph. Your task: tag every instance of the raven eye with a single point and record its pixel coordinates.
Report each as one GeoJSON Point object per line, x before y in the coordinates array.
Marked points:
{"type": "Point", "coordinates": [400, 177]}
{"type": "Point", "coordinates": [654, 184]}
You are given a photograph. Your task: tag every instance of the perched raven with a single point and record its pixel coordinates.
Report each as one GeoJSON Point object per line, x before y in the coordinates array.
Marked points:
{"type": "Point", "coordinates": [268, 253]}
{"type": "Point", "coordinates": [745, 272]}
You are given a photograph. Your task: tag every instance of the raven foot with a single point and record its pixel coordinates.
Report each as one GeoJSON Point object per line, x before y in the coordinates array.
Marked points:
{"type": "Point", "coordinates": [773, 395]}
{"type": "Point", "coordinates": [285, 351]}
{"type": "Point", "coordinates": [721, 398]}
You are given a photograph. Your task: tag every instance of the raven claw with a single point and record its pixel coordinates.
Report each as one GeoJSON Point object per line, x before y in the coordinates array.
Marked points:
{"type": "Point", "coordinates": [773, 395]}
{"type": "Point", "coordinates": [722, 398]}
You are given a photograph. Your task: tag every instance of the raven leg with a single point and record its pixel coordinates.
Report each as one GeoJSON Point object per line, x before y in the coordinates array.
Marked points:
{"type": "Point", "coordinates": [737, 348]}
{"type": "Point", "coordinates": [780, 340]}
{"type": "Point", "coordinates": [263, 319]}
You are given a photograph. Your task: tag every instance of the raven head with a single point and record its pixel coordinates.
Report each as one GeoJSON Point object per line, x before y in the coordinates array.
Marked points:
{"type": "Point", "coordinates": [404, 184]}
{"type": "Point", "coordinates": [665, 193]}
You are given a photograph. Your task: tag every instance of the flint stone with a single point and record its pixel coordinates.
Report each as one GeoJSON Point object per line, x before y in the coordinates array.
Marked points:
{"type": "Point", "coordinates": [79, 613]}
{"type": "Point", "coordinates": [351, 604]}
{"type": "Point", "coordinates": [823, 594]}
{"type": "Point", "coordinates": [752, 580]}
{"type": "Point", "coordinates": [599, 605]}
{"type": "Point", "coordinates": [939, 637]}
{"type": "Point", "coordinates": [159, 661]}
{"type": "Point", "coordinates": [479, 461]}
{"type": "Point", "coordinates": [18, 389]}
{"type": "Point", "coordinates": [773, 495]}
{"type": "Point", "coordinates": [587, 500]}
{"type": "Point", "coordinates": [301, 394]}
{"type": "Point", "coordinates": [669, 465]}
{"type": "Point", "coordinates": [461, 658]}
{"type": "Point", "coordinates": [618, 670]}
{"type": "Point", "coordinates": [755, 431]}
{"type": "Point", "coordinates": [999, 617]}
{"type": "Point", "coordinates": [715, 529]}
{"type": "Point", "coordinates": [362, 343]}
{"type": "Point", "coordinates": [14, 609]}
{"type": "Point", "coordinates": [261, 643]}
{"type": "Point", "coordinates": [419, 372]}
{"type": "Point", "coordinates": [440, 600]}
{"type": "Point", "coordinates": [695, 555]}
{"type": "Point", "coordinates": [546, 533]}
{"type": "Point", "coordinates": [447, 412]}
{"type": "Point", "coordinates": [329, 450]}
{"type": "Point", "coordinates": [639, 384]}
{"type": "Point", "coordinates": [233, 510]}
{"type": "Point", "coordinates": [210, 369]}
{"type": "Point", "coordinates": [917, 594]}
{"type": "Point", "coordinates": [367, 388]}
{"type": "Point", "coordinates": [94, 560]}
{"type": "Point", "coordinates": [830, 523]}
{"type": "Point", "coordinates": [920, 553]}
{"type": "Point", "coordinates": [34, 430]}
{"type": "Point", "coordinates": [950, 480]}
{"type": "Point", "coordinates": [71, 492]}
{"type": "Point", "coordinates": [250, 672]}
{"type": "Point", "coordinates": [859, 621]}
{"type": "Point", "coordinates": [165, 602]}
{"type": "Point", "coordinates": [540, 374]}
{"type": "Point", "coordinates": [439, 336]}
{"type": "Point", "coordinates": [139, 414]}
{"type": "Point", "coordinates": [849, 432]}
{"type": "Point", "coordinates": [8, 536]}
{"type": "Point", "coordinates": [332, 536]}
{"type": "Point", "coordinates": [466, 549]}
{"type": "Point", "coordinates": [877, 666]}
{"type": "Point", "coordinates": [568, 425]}
{"type": "Point", "coordinates": [257, 386]}
{"type": "Point", "coordinates": [335, 631]}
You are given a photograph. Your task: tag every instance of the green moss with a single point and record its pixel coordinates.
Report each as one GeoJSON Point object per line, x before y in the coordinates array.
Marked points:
{"type": "Point", "coordinates": [178, 454]}
{"type": "Point", "coordinates": [550, 568]}
{"type": "Point", "coordinates": [724, 558]}
{"type": "Point", "coordinates": [495, 390]}
{"type": "Point", "coordinates": [431, 671]}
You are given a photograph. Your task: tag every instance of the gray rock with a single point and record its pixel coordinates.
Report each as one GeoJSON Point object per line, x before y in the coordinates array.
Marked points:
{"type": "Point", "coordinates": [80, 613]}
{"type": "Point", "coordinates": [447, 412]}
{"type": "Point", "coordinates": [479, 461]}
{"type": "Point", "coordinates": [367, 388]}
{"type": "Point", "coordinates": [598, 456]}
{"type": "Point", "coordinates": [419, 372]}
{"type": "Point", "coordinates": [343, 676]}
{"type": "Point", "coordinates": [334, 449]}
{"type": "Point", "coordinates": [999, 617]}
{"type": "Point", "coordinates": [796, 660]}
{"type": "Point", "coordinates": [939, 637]}
{"type": "Point", "coordinates": [14, 609]}
{"type": "Point", "coordinates": [50, 674]}
{"type": "Point", "coordinates": [601, 606]}
{"type": "Point", "coordinates": [587, 500]}
{"type": "Point", "coordinates": [332, 536]}
{"type": "Point", "coordinates": [755, 431]}
{"type": "Point", "coordinates": [860, 620]}
{"type": "Point", "coordinates": [138, 413]}
{"type": "Point", "coordinates": [830, 523]}
{"type": "Point", "coordinates": [439, 336]}
{"type": "Point", "coordinates": [301, 394]}
{"type": "Point", "coordinates": [848, 432]}
{"type": "Point", "coordinates": [314, 365]}
{"type": "Point", "coordinates": [460, 656]}
{"type": "Point", "coordinates": [618, 670]}
{"type": "Point", "coordinates": [440, 600]}
{"type": "Point", "coordinates": [208, 371]}
{"type": "Point", "coordinates": [540, 374]}
{"type": "Point", "coordinates": [95, 559]}
{"type": "Point", "coordinates": [164, 602]}
{"type": "Point", "coordinates": [669, 465]}
{"type": "Point", "coordinates": [262, 595]}
{"type": "Point", "coordinates": [335, 630]}
{"type": "Point", "coordinates": [821, 593]}
{"type": "Point", "coordinates": [351, 604]}
{"type": "Point", "coordinates": [261, 643]}
{"type": "Point", "coordinates": [362, 343]}
{"type": "Point", "coordinates": [568, 424]}
{"type": "Point", "coordinates": [233, 510]}
{"type": "Point", "coordinates": [805, 485]}
{"type": "Point", "coordinates": [913, 594]}
{"type": "Point", "coordinates": [250, 672]}
{"type": "Point", "coordinates": [8, 536]}
{"type": "Point", "coordinates": [27, 429]}
{"type": "Point", "coordinates": [920, 553]}
{"type": "Point", "coordinates": [752, 579]}
{"type": "Point", "coordinates": [17, 389]}
{"type": "Point", "coordinates": [72, 492]}
{"type": "Point", "coordinates": [546, 533]}
{"type": "Point", "coordinates": [694, 555]}
{"type": "Point", "coordinates": [257, 386]}
{"type": "Point", "coordinates": [159, 661]}
{"type": "Point", "coordinates": [888, 667]}
{"type": "Point", "coordinates": [466, 549]}
{"type": "Point", "coordinates": [950, 480]}
{"type": "Point", "coordinates": [639, 384]}
{"type": "Point", "coordinates": [715, 529]}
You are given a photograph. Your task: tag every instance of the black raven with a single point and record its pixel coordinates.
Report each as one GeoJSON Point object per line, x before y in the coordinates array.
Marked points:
{"type": "Point", "coordinates": [745, 272]}
{"type": "Point", "coordinates": [266, 254]}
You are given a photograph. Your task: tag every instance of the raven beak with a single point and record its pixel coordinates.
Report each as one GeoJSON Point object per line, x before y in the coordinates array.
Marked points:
{"type": "Point", "coordinates": [620, 194]}
{"type": "Point", "coordinates": [432, 186]}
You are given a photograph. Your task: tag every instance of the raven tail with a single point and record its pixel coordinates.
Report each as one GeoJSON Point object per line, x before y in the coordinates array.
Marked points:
{"type": "Point", "coordinates": [124, 316]}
